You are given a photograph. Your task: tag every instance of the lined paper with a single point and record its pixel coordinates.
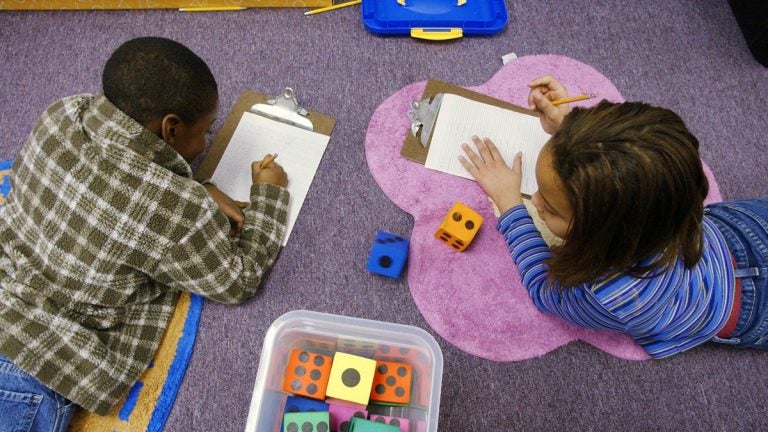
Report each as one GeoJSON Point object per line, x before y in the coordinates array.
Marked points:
{"type": "Point", "coordinates": [460, 118]}
{"type": "Point", "coordinates": [299, 153]}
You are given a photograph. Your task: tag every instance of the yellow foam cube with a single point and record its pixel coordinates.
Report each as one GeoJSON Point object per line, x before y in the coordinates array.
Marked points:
{"type": "Point", "coordinates": [351, 378]}
{"type": "Point", "coordinates": [459, 227]}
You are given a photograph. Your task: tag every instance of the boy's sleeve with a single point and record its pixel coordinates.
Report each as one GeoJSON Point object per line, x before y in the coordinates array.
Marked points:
{"type": "Point", "coordinates": [529, 251]}
{"type": "Point", "coordinates": [228, 269]}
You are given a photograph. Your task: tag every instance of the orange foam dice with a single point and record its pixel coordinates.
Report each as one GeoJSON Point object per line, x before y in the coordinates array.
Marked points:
{"type": "Point", "coordinates": [459, 227]}
{"type": "Point", "coordinates": [392, 382]}
{"type": "Point", "coordinates": [307, 374]}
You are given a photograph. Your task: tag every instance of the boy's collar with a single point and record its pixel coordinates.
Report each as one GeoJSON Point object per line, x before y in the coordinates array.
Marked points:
{"type": "Point", "coordinates": [104, 119]}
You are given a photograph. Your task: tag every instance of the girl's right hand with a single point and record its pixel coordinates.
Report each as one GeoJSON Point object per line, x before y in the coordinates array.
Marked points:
{"type": "Point", "coordinates": [544, 90]}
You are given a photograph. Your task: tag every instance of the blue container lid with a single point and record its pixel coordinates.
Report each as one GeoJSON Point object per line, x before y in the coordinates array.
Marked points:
{"type": "Point", "coordinates": [471, 17]}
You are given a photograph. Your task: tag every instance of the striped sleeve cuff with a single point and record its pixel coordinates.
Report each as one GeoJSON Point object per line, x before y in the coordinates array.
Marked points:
{"type": "Point", "coordinates": [511, 216]}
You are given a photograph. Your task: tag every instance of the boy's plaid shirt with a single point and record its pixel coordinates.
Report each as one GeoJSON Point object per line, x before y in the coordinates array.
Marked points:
{"type": "Point", "coordinates": [103, 227]}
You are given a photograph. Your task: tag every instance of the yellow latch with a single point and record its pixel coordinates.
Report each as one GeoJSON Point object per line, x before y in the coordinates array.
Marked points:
{"type": "Point", "coordinates": [436, 35]}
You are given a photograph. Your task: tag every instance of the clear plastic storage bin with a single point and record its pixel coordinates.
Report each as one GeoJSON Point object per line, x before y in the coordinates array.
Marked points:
{"type": "Point", "coordinates": [327, 333]}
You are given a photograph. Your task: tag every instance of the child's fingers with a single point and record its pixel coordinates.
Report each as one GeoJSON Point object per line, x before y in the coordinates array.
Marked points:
{"type": "Point", "coordinates": [517, 164]}
{"type": "Point", "coordinates": [235, 227]}
{"type": "Point", "coordinates": [545, 106]}
{"type": "Point", "coordinates": [469, 166]}
{"type": "Point", "coordinates": [493, 150]}
{"type": "Point", "coordinates": [538, 94]}
{"type": "Point", "coordinates": [543, 81]}
{"type": "Point", "coordinates": [267, 161]}
{"type": "Point", "coordinates": [482, 148]}
{"type": "Point", "coordinates": [547, 84]}
{"type": "Point", "coordinates": [531, 104]}
{"type": "Point", "coordinates": [485, 149]}
{"type": "Point", "coordinates": [471, 155]}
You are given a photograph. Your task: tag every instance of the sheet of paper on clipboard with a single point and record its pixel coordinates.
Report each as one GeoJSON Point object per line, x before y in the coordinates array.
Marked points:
{"type": "Point", "coordinates": [275, 126]}
{"type": "Point", "coordinates": [459, 118]}
{"type": "Point", "coordinates": [448, 115]}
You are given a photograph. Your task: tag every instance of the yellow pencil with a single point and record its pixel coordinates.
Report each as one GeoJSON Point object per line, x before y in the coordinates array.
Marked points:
{"type": "Point", "coordinates": [267, 160]}
{"type": "Point", "coordinates": [573, 99]}
{"type": "Point", "coordinates": [212, 8]}
{"type": "Point", "coordinates": [336, 6]}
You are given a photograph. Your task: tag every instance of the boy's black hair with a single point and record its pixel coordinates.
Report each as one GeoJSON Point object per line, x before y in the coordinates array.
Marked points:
{"type": "Point", "coordinates": [150, 77]}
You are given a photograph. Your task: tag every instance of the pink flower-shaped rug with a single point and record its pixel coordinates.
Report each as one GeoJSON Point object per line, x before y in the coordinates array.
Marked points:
{"type": "Point", "coordinates": [475, 299]}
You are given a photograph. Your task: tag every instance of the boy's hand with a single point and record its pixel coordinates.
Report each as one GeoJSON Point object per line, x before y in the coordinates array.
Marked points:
{"type": "Point", "coordinates": [499, 181]}
{"type": "Point", "coordinates": [272, 173]}
{"type": "Point", "coordinates": [544, 90]}
{"type": "Point", "coordinates": [232, 209]}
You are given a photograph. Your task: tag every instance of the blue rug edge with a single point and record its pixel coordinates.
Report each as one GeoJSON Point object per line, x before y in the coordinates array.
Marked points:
{"type": "Point", "coordinates": [178, 367]}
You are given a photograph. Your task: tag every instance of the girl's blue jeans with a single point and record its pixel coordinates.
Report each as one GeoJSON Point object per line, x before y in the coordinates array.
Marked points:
{"type": "Point", "coordinates": [745, 227]}
{"type": "Point", "coordinates": [27, 405]}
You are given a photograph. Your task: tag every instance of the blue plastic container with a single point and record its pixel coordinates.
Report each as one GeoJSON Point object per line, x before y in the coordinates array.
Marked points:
{"type": "Point", "coordinates": [435, 19]}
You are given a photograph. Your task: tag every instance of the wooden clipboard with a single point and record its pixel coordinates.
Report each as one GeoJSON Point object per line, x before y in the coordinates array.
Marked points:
{"type": "Point", "coordinates": [322, 124]}
{"type": "Point", "coordinates": [412, 148]}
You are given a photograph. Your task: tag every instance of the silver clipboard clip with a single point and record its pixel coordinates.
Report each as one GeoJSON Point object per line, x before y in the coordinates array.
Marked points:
{"type": "Point", "coordinates": [285, 108]}
{"type": "Point", "coordinates": [423, 114]}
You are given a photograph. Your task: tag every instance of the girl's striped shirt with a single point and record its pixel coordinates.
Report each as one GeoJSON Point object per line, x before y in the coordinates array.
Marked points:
{"type": "Point", "coordinates": [666, 313]}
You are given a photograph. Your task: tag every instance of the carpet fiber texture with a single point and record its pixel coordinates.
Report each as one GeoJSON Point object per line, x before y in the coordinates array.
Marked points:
{"type": "Point", "coordinates": [686, 55]}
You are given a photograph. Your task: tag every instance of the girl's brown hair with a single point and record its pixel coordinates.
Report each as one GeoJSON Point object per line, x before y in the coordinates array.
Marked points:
{"type": "Point", "coordinates": [633, 178]}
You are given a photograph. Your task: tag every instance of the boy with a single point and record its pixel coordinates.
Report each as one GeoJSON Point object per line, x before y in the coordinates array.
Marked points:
{"type": "Point", "coordinates": [105, 225]}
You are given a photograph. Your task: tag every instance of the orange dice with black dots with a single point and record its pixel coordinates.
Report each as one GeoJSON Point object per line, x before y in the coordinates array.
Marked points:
{"type": "Point", "coordinates": [392, 383]}
{"type": "Point", "coordinates": [459, 227]}
{"type": "Point", "coordinates": [307, 374]}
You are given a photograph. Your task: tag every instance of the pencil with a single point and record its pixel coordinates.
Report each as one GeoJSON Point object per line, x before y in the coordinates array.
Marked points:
{"type": "Point", "coordinates": [212, 8]}
{"type": "Point", "coordinates": [330, 8]}
{"type": "Point", "coordinates": [573, 99]}
{"type": "Point", "coordinates": [267, 160]}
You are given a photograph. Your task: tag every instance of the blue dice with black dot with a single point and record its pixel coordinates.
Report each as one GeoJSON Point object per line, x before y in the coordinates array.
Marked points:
{"type": "Point", "coordinates": [296, 404]}
{"type": "Point", "coordinates": [388, 255]}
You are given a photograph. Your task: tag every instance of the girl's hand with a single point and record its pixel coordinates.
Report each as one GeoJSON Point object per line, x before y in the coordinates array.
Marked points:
{"type": "Point", "coordinates": [544, 90]}
{"type": "Point", "coordinates": [232, 209]}
{"type": "Point", "coordinates": [487, 166]}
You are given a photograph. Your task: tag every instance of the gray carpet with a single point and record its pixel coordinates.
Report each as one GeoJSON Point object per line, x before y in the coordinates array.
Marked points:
{"type": "Point", "coordinates": [686, 55]}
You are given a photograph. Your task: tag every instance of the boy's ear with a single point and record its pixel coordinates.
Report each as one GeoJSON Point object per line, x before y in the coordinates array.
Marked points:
{"type": "Point", "coordinates": [169, 128]}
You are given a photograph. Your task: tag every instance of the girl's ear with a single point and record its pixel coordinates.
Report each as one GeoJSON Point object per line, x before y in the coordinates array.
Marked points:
{"type": "Point", "coordinates": [169, 128]}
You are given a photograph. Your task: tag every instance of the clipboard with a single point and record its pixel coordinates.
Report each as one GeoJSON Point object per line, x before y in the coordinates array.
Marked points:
{"type": "Point", "coordinates": [255, 122]}
{"type": "Point", "coordinates": [413, 149]}
{"type": "Point", "coordinates": [321, 123]}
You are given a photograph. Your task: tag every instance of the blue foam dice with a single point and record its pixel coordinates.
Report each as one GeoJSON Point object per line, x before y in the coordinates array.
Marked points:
{"type": "Point", "coordinates": [388, 255]}
{"type": "Point", "coordinates": [300, 404]}
{"type": "Point", "coordinates": [297, 404]}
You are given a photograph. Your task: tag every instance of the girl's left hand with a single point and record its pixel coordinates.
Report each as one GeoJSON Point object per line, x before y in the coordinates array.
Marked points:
{"type": "Point", "coordinates": [498, 180]}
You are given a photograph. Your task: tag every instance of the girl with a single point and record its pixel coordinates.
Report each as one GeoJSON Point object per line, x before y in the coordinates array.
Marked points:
{"type": "Point", "coordinates": [623, 186]}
